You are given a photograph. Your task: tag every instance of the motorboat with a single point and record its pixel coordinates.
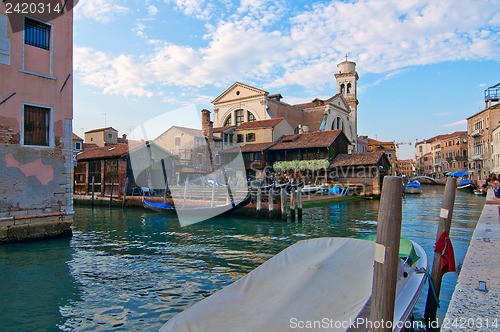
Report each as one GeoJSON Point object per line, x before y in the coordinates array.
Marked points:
{"type": "Point", "coordinates": [310, 281]}
{"type": "Point", "coordinates": [413, 188]}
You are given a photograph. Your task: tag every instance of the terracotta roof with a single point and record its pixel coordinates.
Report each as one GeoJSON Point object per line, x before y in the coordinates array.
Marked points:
{"type": "Point", "coordinates": [357, 159]}
{"type": "Point", "coordinates": [270, 123]}
{"type": "Point", "coordinates": [252, 147]}
{"type": "Point", "coordinates": [307, 140]}
{"type": "Point", "coordinates": [89, 146]}
{"type": "Point", "coordinates": [100, 129]}
{"type": "Point", "coordinates": [316, 103]}
{"type": "Point", "coordinates": [455, 134]}
{"type": "Point", "coordinates": [109, 151]}
{"type": "Point", "coordinates": [77, 138]}
{"type": "Point", "coordinates": [372, 141]}
{"type": "Point", "coordinates": [221, 129]}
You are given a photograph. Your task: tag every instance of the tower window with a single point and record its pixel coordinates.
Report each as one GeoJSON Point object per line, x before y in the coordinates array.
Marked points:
{"type": "Point", "coordinates": [342, 88]}
{"type": "Point", "coordinates": [348, 88]}
{"type": "Point", "coordinates": [337, 124]}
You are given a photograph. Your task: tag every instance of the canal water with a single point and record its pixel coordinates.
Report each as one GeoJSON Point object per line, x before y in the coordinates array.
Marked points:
{"type": "Point", "coordinates": [126, 270]}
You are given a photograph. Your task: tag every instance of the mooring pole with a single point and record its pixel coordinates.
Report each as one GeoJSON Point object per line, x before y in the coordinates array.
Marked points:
{"type": "Point", "coordinates": [111, 194]}
{"type": "Point", "coordinates": [385, 272]}
{"type": "Point", "coordinates": [270, 202]}
{"type": "Point", "coordinates": [299, 202]}
{"type": "Point", "coordinates": [292, 204]}
{"type": "Point", "coordinates": [283, 204]}
{"type": "Point", "coordinates": [259, 202]}
{"type": "Point", "coordinates": [93, 191]}
{"type": "Point", "coordinates": [212, 204]}
{"type": "Point", "coordinates": [125, 193]}
{"type": "Point", "coordinates": [444, 226]}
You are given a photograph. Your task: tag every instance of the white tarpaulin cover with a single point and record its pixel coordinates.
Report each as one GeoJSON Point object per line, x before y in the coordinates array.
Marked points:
{"type": "Point", "coordinates": [313, 280]}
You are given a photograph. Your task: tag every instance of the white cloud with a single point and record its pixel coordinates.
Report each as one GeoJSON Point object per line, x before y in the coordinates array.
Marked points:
{"type": "Point", "coordinates": [382, 37]}
{"type": "Point", "coordinates": [152, 10]}
{"type": "Point", "coordinates": [102, 11]}
{"type": "Point", "coordinates": [441, 114]}
{"type": "Point", "coordinates": [458, 123]}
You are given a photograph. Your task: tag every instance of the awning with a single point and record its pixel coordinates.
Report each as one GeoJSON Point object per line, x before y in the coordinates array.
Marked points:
{"type": "Point", "coordinates": [460, 174]}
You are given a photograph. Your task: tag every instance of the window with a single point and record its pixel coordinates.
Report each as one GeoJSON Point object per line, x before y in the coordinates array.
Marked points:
{"type": "Point", "coordinates": [36, 33]}
{"type": "Point", "coordinates": [342, 88]}
{"type": "Point", "coordinates": [201, 158]}
{"type": "Point", "coordinates": [177, 140]}
{"type": "Point", "coordinates": [348, 88]}
{"type": "Point", "coordinates": [250, 116]}
{"type": "Point", "coordinates": [217, 159]}
{"type": "Point", "coordinates": [36, 125]}
{"type": "Point", "coordinates": [110, 135]}
{"type": "Point", "coordinates": [239, 138]}
{"type": "Point", "coordinates": [238, 117]}
{"type": "Point", "coordinates": [337, 124]}
{"type": "Point", "coordinates": [228, 121]}
{"type": "Point", "coordinates": [230, 139]}
{"type": "Point", "coordinates": [78, 146]}
{"type": "Point", "coordinates": [251, 137]}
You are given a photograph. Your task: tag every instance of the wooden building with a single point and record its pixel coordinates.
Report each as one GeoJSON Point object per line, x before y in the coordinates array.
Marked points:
{"type": "Point", "coordinates": [115, 168]}
{"type": "Point", "coordinates": [365, 170]}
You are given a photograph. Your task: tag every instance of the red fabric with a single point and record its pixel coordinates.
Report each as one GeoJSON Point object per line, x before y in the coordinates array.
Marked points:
{"type": "Point", "coordinates": [445, 249]}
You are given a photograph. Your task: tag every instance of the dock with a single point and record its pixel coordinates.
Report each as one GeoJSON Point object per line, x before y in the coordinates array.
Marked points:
{"type": "Point", "coordinates": [475, 304]}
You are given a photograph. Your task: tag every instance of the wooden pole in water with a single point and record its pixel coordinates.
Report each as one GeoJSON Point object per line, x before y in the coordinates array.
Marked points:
{"type": "Point", "coordinates": [299, 201]}
{"type": "Point", "coordinates": [125, 193]}
{"type": "Point", "coordinates": [259, 202]}
{"type": "Point", "coordinates": [270, 202]}
{"type": "Point", "coordinates": [444, 226]}
{"type": "Point", "coordinates": [111, 194]}
{"type": "Point", "coordinates": [385, 272]}
{"type": "Point", "coordinates": [292, 204]}
{"type": "Point", "coordinates": [93, 188]}
{"type": "Point", "coordinates": [283, 204]}
{"type": "Point", "coordinates": [212, 204]}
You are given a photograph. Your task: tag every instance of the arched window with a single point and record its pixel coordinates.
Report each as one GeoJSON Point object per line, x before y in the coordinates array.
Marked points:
{"type": "Point", "coordinates": [348, 88]}
{"type": "Point", "coordinates": [342, 88]}
{"type": "Point", "coordinates": [228, 121]}
{"type": "Point", "coordinates": [337, 124]}
{"type": "Point", "coordinates": [238, 115]}
{"type": "Point", "coordinates": [250, 116]}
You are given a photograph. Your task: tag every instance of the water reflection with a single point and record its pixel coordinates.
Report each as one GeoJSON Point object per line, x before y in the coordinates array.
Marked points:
{"type": "Point", "coordinates": [133, 270]}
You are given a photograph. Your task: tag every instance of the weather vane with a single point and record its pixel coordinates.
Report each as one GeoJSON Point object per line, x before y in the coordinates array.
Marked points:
{"type": "Point", "coordinates": [346, 56]}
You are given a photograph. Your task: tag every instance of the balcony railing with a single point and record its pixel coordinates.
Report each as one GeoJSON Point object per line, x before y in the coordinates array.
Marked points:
{"type": "Point", "coordinates": [478, 156]}
{"type": "Point", "coordinates": [476, 132]}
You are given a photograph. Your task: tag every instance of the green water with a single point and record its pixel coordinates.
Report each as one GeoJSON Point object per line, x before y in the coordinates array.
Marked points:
{"type": "Point", "coordinates": [133, 270]}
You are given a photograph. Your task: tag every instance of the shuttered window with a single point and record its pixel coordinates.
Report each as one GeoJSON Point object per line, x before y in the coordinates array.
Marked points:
{"type": "Point", "coordinates": [36, 125]}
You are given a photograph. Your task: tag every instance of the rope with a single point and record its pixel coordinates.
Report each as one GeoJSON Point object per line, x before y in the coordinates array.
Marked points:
{"type": "Point", "coordinates": [431, 285]}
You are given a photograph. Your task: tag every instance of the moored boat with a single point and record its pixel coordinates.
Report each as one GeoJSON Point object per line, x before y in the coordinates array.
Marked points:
{"type": "Point", "coordinates": [413, 188]}
{"type": "Point", "coordinates": [480, 192]}
{"type": "Point", "coordinates": [308, 281]}
{"type": "Point", "coordinates": [466, 185]}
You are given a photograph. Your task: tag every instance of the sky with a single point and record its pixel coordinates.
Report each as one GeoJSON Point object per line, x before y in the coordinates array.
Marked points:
{"type": "Point", "coordinates": [423, 65]}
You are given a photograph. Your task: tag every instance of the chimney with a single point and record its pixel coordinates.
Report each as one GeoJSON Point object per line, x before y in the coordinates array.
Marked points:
{"type": "Point", "coordinates": [124, 136]}
{"type": "Point", "coordinates": [206, 124]}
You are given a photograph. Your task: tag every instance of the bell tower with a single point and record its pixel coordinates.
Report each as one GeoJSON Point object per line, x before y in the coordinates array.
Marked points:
{"type": "Point", "coordinates": [347, 85]}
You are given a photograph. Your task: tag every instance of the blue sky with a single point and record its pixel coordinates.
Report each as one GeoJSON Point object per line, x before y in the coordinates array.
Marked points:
{"type": "Point", "coordinates": [423, 65]}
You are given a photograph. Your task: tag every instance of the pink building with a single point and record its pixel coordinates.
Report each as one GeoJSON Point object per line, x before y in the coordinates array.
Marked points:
{"type": "Point", "coordinates": [36, 98]}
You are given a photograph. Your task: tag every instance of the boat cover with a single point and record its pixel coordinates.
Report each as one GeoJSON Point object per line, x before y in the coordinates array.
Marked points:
{"type": "Point", "coordinates": [414, 184]}
{"type": "Point", "coordinates": [312, 280]}
{"type": "Point", "coordinates": [406, 248]}
{"type": "Point", "coordinates": [460, 174]}
{"type": "Point", "coordinates": [159, 205]}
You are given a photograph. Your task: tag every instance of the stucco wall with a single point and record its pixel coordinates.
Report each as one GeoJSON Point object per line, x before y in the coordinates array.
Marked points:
{"type": "Point", "coordinates": [37, 180]}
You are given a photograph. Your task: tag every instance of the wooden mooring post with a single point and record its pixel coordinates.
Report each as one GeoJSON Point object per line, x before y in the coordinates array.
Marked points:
{"type": "Point", "coordinates": [446, 215]}
{"type": "Point", "coordinates": [283, 204]}
{"type": "Point", "coordinates": [259, 203]}
{"type": "Point", "coordinates": [385, 272]}
{"type": "Point", "coordinates": [299, 203]}
{"type": "Point", "coordinates": [292, 203]}
{"type": "Point", "coordinates": [93, 190]}
{"type": "Point", "coordinates": [125, 193]}
{"type": "Point", "coordinates": [111, 195]}
{"type": "Point", "coordinates": [270, 202]}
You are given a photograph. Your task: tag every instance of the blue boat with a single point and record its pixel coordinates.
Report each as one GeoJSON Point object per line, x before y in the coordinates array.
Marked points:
{"type": "Point", "coordinates": [465, 183]}
{"type": "Point", "coordinates": [413, 188]}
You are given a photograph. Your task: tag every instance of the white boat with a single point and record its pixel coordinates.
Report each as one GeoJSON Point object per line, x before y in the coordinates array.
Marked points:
{"type": "Point", "coordinates": [326, 280]}
{"type": "Point", "coordinates": [413, 188]}
{"type": "Point", "coordinates": [480, 192]}
{"type": "Point", "coordinates": [311, 189]}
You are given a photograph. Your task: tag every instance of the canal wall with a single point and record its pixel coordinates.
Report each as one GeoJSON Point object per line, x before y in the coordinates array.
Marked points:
{"type": "Point", "coordinates": [475, 306]}
{"type": "Point", "coordinates": [29, 227]}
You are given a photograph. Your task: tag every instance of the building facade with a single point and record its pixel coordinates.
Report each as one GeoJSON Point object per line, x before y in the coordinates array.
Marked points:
{"type": "Point", "coordinates": [242, 103]}
{"type": "Point", "coordinates": [480, 127]}
{"type": "Point", "coordinates": [455, 152]}
{"type": "Point", "coordinates": [36, 111]}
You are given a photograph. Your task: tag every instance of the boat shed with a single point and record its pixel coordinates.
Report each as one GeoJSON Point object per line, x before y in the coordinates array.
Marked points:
{"type": "Point", "coordinates": [364, 170]}
{"type": "Point", "coordinates": [123, 169]}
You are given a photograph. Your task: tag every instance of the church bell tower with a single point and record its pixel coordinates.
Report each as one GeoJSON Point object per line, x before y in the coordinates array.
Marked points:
{"type": "Point", "coordinates": [347, 85]}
